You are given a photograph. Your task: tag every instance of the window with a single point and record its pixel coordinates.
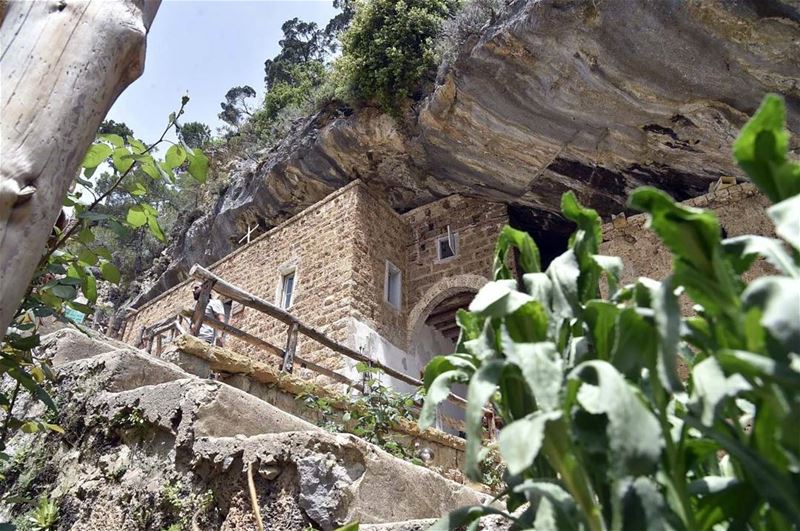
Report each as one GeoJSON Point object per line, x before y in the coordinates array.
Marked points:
{"type": "Point", "coordinates": [287, 290]}
{"type": "Point", "coordinates": [447, 246]}
{"type": "Point", "coordinates": [392, 285]}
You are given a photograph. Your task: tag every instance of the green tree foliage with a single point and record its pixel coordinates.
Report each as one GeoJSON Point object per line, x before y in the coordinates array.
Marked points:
{"type": "Point", "coordinates": [235, 109]}
{"type": "Point", "coordinates": [298, 91]}
{"type": "Point", "coordinates": [194, 134]}
{"type": "Point", "coordinates": [600, 432]}
{"type": "Point", "coordinates": [389, 48]}
{"type": "Point", "coordinates": [302, 42]}
{"type": "Point", "coordinates": [110, 127]}
{"type": "Point", "coordinates": [77, 256]}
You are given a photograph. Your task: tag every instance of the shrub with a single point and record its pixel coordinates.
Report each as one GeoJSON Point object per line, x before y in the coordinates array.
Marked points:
{"type": "Point", "coordinates": [469, 21]}
{"type": "Point", "coordinates": [600, 433]}
{"type": "Point", "coordinates": [389, 48]}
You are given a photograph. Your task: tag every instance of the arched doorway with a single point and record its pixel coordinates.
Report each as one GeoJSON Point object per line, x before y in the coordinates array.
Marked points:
{"type": "Point", "coordinates": [434, 313]}
{"type": "Point", "coordinates": [433, 331]}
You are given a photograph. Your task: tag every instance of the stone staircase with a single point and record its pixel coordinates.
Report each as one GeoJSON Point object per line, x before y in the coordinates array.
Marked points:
{"type": "Point", "coordinates": [146, 442]}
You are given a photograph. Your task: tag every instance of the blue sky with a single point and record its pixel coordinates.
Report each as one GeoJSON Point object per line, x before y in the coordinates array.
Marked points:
{"type": "Point", "coordinates": [206, 47]}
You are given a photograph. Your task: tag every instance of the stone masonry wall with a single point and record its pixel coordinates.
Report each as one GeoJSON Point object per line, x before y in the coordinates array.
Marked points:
{"type": "Point", "coordinates": [338, 249]}
{"type": "Point", "coordinates": [318, 244]}
{"type": "Point", "coordinates": [740, 209]}
{"type": "Point", "coordinates": [478, 225]}
{"type": "Point", "coordinates": [381, 235]}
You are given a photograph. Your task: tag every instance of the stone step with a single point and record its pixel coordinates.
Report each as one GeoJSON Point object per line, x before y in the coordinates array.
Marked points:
{"type": "Point", "coordinates": [145, 423]}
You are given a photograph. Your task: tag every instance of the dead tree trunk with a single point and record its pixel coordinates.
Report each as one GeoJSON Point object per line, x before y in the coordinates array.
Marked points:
{"type": "Point", "coordinates": [63, 64]}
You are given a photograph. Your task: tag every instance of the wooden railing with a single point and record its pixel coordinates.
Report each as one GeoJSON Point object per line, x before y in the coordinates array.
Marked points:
{"type": "Point", "coordinates": [151, 337]}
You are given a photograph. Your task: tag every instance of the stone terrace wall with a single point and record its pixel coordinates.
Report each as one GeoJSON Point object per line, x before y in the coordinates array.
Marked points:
{"type": "Point", "coordinates": [478, 224]}
{"type": "Point", "coordinates": [740, 209]}
{"type": "Point", "coordinates": [319, 243]}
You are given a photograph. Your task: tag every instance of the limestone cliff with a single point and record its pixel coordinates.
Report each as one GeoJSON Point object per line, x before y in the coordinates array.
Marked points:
{"type": "Point", "coordinates": [594, 96]}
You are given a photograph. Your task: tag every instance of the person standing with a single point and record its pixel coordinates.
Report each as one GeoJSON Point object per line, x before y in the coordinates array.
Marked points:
{"type": "Point", "coordinates": [214, 310]}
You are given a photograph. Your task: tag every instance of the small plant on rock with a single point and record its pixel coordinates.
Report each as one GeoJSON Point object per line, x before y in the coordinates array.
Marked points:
{"type": "Point", "coordinates": [45, 516]}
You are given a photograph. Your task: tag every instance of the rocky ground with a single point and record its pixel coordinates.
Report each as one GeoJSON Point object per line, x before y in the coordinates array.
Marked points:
{"type": "Point", "coordinates": [149, 446]}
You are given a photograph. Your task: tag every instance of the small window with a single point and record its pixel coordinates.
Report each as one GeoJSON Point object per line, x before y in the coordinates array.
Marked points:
{"type": "Point", "coordinates": [393, 285]}
{"type": "Point", "coordinates": [447, 246]}
{"type": "Point", "coordinates": [287, 290]}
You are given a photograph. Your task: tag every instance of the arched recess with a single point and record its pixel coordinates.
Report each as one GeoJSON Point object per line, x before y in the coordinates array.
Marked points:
{"type": "Point", "coordinates": [431, 331]}
{"type": "Point", "coordinates": [443, 289]}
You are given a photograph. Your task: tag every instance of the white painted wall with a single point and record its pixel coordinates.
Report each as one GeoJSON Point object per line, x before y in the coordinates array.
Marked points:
{"type": "Point", "coordinates": [429, 342]}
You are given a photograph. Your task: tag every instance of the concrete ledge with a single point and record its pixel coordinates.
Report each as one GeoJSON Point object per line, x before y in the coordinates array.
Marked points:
{"type": "Point", "coordinates": [232, 362]}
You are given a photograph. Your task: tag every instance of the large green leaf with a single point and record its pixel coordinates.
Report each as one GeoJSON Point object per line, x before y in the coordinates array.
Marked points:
{"type": "Point", "coordinates": [585, 242]}
{"type": "Point", "coordinates": [564, 273]}
{"type": "Point", "coordinates": [694, 237]}
{"type": "Point", "coordinates": [586, 219]}
{"type": "Point", "coordinates": [198, 165]}
{"type": "Point", "coordinates": [122, 159]}
{"type": "Point", "coordinates": [667, 316]}
{"type": "Point", "coordinates": [64, 292]}
{"type": "Point", "coordinates": [761, 150]}
{"type": "Point", "coordinates": [89, 287]}
{"type": "Point", "coordinates": [778, 298]}
{"type": "Point", "coordinates": [175, 156]}
{"type": "Point", "coordinates": [786, 216]}
{"type": "Point", "coordinates": [521, 440]}
{"type": "Point", "coordinates": [437, 392]}
{"type": "Point", "coordinates": [743, 250]}
{"type": "Point", "coordinates": [498, 299]}
{"type": "Point", "coordinates": [601, 317]}
{"type": "Point", "coordinates": [543, 370]}
{"type": "Point", "coordinates": [136, 216]}
{"type": "Point", "coordinates": [529, 258]}
{"type": "Point", "coordinates": [482, 386]}
{"type": "Point", "coordinates": [155, 229]}
{"type": "Point", "coordinates": [711, 387]}
{"type": "Point", "coordinates": [635, 343]}
{"type": "Point", "coordinates": [97, 153]}
{"type": "Point", "coordinates": [110, 272]}
{"type": "Point", "coordinates": [114, 140]}
{"type": "Point", "coordinates": [528, 323]}
{"type": "Point", "coordinates": [634, 433]}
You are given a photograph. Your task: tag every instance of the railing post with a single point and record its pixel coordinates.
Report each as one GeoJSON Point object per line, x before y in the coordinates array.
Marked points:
{"type": "Point", "coordinates": [291, 347]}
{"type": "Point", "coordinates": [200, 307]}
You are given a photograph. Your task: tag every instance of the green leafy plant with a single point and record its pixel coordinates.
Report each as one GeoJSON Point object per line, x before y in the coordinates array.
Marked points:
{"type": "Point", "coordinates": [389, 48]}
{"type": "Point", "coordinates": [45, 516]}
{"type": "Point", "coordinates": [184, 507]}
{"type": "Point", "coordinates": [65, 285]}
{"type": "Point", "coordinates": [600, 432]}
{"type": "Point", "coordinates": [372, 416]}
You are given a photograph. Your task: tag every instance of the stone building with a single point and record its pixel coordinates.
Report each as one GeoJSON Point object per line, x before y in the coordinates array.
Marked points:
{"type": "Point", "coordinates": [380, 282]}
{"type": "Point", "coordinates": [389, 284]}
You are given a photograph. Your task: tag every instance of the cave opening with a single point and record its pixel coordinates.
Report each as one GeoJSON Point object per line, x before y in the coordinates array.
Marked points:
{"type": "Point", "coordinates": [550, 230]}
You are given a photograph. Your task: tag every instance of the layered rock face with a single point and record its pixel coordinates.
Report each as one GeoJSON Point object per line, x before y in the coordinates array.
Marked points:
{"type": "Point", "coordinates": [149, 446]}
{"type": "Point", "coordinates": [594, 96]}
